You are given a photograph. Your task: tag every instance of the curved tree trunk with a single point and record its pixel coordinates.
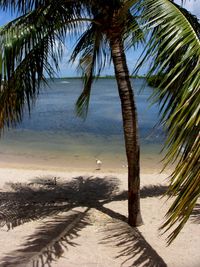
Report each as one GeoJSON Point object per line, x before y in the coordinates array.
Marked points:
{"type": "Point", "coordinates": [129, 116]}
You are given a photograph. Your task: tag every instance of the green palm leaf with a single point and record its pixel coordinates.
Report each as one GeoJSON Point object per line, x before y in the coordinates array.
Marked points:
{"type": "Point", "coordinates": [24, 57]}
{"type": "Point", "coordinates": [93, 49]}
{"type": "Point", "coordinates": [174, 45]}
{"type": "Point", "coordinates": [93, 55]}
{"type": "Point", "coordinates": [31, 48]}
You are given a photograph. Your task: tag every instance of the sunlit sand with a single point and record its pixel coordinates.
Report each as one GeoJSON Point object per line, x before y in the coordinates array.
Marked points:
{"type": "Point", "coordinates": [80, 220]}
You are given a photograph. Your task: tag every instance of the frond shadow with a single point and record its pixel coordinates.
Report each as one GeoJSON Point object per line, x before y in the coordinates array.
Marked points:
{"type": "Point", "coordinates": [44, 197]}
{"type": "Point", "coordinates": [146, 191]}
{"type": "Point", "coordinates": [195, 216]}
{"type": "Point", "coordinates": [27, 202]}
{"type": "Point", "coordinates": [49, 241]}
{"type": "Point", "coordinates": [41, 199]}
{"type": "Point", "coordinates": [153, 191]}
{"type": "Point", "coordinates": [134, 250]}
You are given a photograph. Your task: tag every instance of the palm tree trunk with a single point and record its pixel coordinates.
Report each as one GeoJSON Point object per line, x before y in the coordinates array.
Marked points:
{"type": "Point", "coordinates": [129, 116]}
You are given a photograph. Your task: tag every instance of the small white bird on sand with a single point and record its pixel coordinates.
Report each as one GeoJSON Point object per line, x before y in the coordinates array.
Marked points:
{"type": "Point", "coordinates": [125, 165]}
{"type": "Point", "coordinates": [99, 163]}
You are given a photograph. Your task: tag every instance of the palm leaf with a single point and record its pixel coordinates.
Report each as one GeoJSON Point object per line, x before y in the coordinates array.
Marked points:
{"type": "Point", "coordinates": [174, 45]}
{"type": "Point", "coordinates": [31, 48]}
{"type": "Point", "coordinates": [24, 7]}
{"type": "Point", "coordinates": [93, 55]}
{"type": "Point", "coordinates": [24, 58]}
{"type": "Point", "coordinates": [93, 46]}
{"type": "Point", "coordinates": [133, 34]}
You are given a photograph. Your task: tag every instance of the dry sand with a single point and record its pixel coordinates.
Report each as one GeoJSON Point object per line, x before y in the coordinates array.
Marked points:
{"type": "Point", "coordinates": [81, 221]}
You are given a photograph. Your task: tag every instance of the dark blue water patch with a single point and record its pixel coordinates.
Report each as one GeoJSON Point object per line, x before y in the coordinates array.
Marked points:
{"type": "Point", "coordinates": [55, 110]}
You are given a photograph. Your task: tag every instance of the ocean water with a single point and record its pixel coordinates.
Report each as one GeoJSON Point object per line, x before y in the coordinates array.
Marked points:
{"type": "Point", "coordinates": [54, 136]}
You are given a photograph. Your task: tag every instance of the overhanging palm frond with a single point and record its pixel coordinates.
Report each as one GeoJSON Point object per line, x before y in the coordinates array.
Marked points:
{"type": "Point", "coordinates": [21, 6]}
{"type": "Point", "coordinates": [24, 7]}
{"type": "Point", "coordinates": [24, 58]}
{"type": "Point", "coordinates": [133, 34]}
{"type": "Point", "coordinates": [174, 45]}
{"type": "Point", "coordinates": [31, 48]}
{"type": "Point", "coordinates": [91, 47]}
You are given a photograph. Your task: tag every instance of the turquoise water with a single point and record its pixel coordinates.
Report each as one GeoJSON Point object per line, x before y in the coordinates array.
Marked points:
{"type": "Point", "coordinates": [54, 135]}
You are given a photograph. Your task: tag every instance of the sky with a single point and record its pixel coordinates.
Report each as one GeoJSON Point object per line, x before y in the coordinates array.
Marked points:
{"type": "Point", "coordinates": [68, 70]}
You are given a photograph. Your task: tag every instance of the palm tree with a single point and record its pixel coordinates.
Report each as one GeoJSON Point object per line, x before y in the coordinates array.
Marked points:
{"type": "Point", "coordinates": [33, 41]}
{"type": "Point", "coordinates": [30, 41]}
{"type": "Point", "coordinates": [113, 27]}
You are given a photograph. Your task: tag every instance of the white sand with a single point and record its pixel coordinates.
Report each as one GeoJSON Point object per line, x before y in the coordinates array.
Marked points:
{"type": "Point", "coordinates": [80, 223]}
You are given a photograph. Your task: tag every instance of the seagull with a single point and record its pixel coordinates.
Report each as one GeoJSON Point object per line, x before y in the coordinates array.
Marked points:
{"type": "Point", "coordinates": [124, 165]}
{"type": "Point", "coordinates": [99, 163]}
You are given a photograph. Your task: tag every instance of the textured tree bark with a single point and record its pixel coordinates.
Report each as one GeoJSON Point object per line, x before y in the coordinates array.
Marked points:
{"type": "Point", "coordinates": [129, 116]}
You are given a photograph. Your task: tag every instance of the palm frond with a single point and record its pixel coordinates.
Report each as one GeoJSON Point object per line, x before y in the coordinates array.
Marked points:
{"type": "Point", "coordinates": [174, 46]}
{"type": "Point", "coordinates": [133, 35]}
{"type": "Point", "coordinates": [93, 55]}
{"type": "Point", "coordinates": [24, 7]}
{"type": "Point", "coordinates": [93, 49]}
{"type": "Point", "coordinates": [24, 59]}
{"type": "Point", "coordinates": [31, 48]}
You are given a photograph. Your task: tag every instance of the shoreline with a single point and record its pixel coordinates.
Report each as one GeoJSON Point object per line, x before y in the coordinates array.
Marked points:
{"type": "Point", "coordinates": [149, 163]}
{"type": "Point", "coordinates": [82, 169]}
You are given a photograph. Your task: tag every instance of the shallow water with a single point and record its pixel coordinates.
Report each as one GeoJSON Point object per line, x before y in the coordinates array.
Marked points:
{"type": "Point", "coordinates": [53, 135]}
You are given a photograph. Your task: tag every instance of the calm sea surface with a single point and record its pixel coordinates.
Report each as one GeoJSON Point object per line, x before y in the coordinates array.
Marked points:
{"type": "Point", "coordinates": [53, 135]}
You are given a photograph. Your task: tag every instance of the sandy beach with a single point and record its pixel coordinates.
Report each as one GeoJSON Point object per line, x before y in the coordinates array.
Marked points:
{"type": "Point", "coordinates": [78, 218]}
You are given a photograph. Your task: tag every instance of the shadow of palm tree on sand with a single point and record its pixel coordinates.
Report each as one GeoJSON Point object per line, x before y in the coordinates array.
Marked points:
{"type": "Point", "coordinates": [195, 216]}
{"type": "Point", "coordinates": [64, 209]}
